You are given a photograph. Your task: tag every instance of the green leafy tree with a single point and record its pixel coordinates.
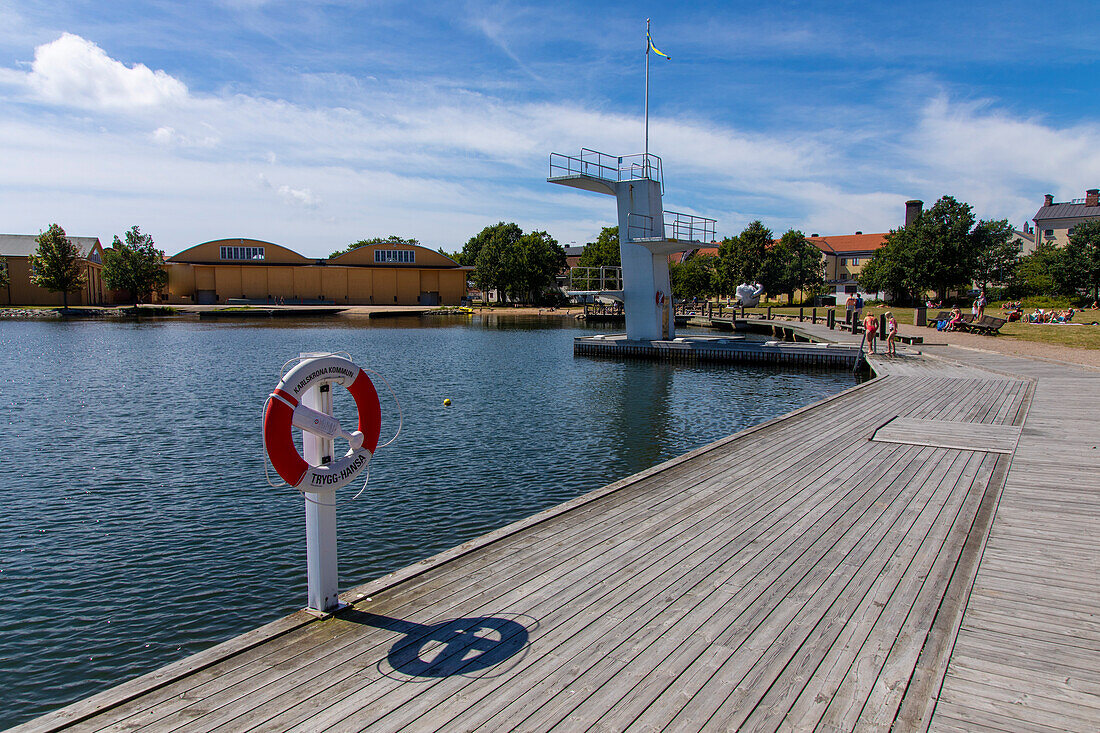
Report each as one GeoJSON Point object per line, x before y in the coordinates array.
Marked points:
{"type": "Point", "coordinates": [135, 266]}
{"type": "Point", "coordinates": [791, 264]}
{"type": "Point", "coordinates": [1034, 273]}
{"type": "Point", "coordinates": [539, 259]}
{"type": "Point", "coordinates": [392, 239]}
{"type": "Point", "coordinates": [694, 277]}
{"type": "Point", "coordinates": [5, 280]}
{"type": "Point", "coordinates": [1080, 265]}
{"type": "Point", "coordinates": [741, 258]}
{"type": "Point", "coordinates": [55, 265]}
{"type": "Point", "coordinates": [940, 251]}
{"type": "Point", "coordinates": [995, 252]}
{"type": "Point", "coordinates": [604, 251]}
{"type": "Point", "coordinates": [496, 234]}
{"type": "Point", "coordinates": [519, 266]}
{"type": "Point", "coordinates": [945, 251]}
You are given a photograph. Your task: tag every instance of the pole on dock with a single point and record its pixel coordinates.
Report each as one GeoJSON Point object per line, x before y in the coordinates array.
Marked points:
{"type": "Point", "coordinates": [322, 572]}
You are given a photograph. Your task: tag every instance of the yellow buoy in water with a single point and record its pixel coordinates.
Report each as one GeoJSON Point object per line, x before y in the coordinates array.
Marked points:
{"type": "Point", "coordinates": [447, 402]}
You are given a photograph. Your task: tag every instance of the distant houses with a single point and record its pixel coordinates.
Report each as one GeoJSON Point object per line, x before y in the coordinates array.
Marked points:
{"type": "Point", "coordinates": [16, 249]}
{"type": "Point", "coordinates": [1055, 221]}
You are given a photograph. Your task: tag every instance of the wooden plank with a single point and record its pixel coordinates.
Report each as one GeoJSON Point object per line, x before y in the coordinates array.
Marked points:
{"type": "Point", "coordinates": [950, 434]}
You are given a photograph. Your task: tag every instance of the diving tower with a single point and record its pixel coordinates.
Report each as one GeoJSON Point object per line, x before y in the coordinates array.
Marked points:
{"type": "Point", "coordinates": [647, 233]}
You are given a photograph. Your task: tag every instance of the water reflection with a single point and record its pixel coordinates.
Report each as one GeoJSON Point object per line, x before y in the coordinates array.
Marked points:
{"type": "Point", "coordinates": [132, 475]}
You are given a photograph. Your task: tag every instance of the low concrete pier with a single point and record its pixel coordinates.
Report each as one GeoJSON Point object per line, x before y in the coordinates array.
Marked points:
{"type": "Point", "coordinates": [730, 349]}
{"type": "Point", "coordinates": [918, 552]}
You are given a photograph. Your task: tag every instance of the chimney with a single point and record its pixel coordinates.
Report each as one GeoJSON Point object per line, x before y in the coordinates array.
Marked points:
{"type": "Point", "coordinates": [1092, 197]}
{"type": "Point", "coordinates": [1048, 200]}
{"type": "Point", "coordinates": [913, 211]}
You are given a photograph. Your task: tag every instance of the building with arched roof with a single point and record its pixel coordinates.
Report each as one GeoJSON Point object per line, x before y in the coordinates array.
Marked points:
{"type": "Point", "coordinates": [250, 270]}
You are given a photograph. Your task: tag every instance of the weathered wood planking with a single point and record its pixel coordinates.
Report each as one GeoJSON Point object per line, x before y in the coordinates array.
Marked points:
{"type": "Point", "coordinates": [950, 434]}
{"type": "Point", "coordinates": [794, 576]}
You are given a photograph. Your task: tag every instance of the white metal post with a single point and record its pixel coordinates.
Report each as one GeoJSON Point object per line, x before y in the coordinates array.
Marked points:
{"type": "Point", "coordinates": [321, 566]}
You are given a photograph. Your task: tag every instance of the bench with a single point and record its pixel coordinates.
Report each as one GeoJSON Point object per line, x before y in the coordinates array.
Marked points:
{"type": "Point", "coordinates": [941, 316]}
{"type": "Point", "coordinates": [988, 325]}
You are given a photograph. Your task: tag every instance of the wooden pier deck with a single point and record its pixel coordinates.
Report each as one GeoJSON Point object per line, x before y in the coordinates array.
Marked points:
{"type": "Point", "coordinates": [918, 552]}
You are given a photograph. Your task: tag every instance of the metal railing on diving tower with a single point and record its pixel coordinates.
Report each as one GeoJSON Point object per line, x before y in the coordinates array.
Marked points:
{"type": "Point", "coordinates": [647, 233]}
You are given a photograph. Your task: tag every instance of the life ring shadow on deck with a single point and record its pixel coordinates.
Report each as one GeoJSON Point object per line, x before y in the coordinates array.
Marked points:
{"type": "Point", "coordinates": [469, 647]}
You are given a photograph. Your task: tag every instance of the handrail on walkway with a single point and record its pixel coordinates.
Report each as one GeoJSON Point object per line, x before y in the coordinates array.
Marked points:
{"type": "Point", "coordinates": [616, 168]}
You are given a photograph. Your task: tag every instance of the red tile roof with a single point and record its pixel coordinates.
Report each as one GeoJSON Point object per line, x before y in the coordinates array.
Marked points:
{"type": "Point", "coordinates": [840, 244]}
{"type": "Point", "coordinates": [846, 243]}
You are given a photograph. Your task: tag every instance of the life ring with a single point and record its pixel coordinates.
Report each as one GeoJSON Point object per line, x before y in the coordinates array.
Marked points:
{"type": "Point", "coordinates": [284, 411]}
{"type": "Point", "coordinates": [660, 298]}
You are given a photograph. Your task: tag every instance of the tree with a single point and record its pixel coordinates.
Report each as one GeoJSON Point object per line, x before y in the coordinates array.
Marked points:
{"type": "Point", "coordinates": [604, 252]}
{"type": "Point", "coordinates": [392, 239]}
{"type": "Point", "coordinates": [945, 252]}
{"type": "Point", "coordinates": [55, 265]}
{"type": "Point", "coordinates": [499, 233]}
{"type": "Point", "coordinates": [1080, 266]}
{"type": "Point", "coordinates": [791, 264]}
{"type": "Point", "coordinates": [135, 266]}
{"type": "Point", "coordinates": [939, 251]}
{"type": "Point", "coordinates": [538, 260]}
{"type": "Point", "coordinates": [1034, 274]}
{"type": "Point", "coordinates": [996, 252]}
{"type": "Point", "coordinates": [693, 277]}
{"type": "Point", "coordinates": [741, 258]}
{"type": "Point", "coordinates": [517, 265]}
{"type": "Point", "coordinates": [4, 279]}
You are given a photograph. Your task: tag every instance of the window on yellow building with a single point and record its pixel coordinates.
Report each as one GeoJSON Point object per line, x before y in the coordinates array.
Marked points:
{"type": "Point", "coordinates": [242, 253]}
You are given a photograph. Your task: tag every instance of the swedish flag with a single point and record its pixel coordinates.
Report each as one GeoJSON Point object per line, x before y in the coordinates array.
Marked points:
{"type": "Point", "coordinates": [655, 50]}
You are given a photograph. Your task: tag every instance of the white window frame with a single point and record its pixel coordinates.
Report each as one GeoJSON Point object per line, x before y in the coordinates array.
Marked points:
{"type": "Point", "coordinates": [240, 253]}
{"type": "Point", "coordinates": [395, 257]}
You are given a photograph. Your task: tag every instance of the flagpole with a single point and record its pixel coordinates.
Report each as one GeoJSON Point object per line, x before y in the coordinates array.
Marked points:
{"type": "Point", "coordinates": [646, 158]}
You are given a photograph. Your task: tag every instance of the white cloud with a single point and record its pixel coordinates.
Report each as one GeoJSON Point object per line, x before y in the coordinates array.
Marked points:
{"type": "Point", "coordinates": [166, 135]}
{"type": "Point", "coordinates": [439, 163]}
{"type": "Point", "coordinates": [295, 196]}
{"type": "Point", "coordinates": [75, 71]}
{"type": "Point", "coordinates": [1000, 163]}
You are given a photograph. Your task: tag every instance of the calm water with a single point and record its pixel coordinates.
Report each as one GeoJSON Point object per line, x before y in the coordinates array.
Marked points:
{"type": "Point", "coordinates": [137, 526]}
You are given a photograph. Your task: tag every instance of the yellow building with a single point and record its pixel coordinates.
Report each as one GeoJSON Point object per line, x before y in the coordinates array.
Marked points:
{"type": "Point", "coordinates": [1055, 221]}
{"type": "Point", "coordinates": [249, 270]}
{"type": "Point", "coordinates": [16, 249]}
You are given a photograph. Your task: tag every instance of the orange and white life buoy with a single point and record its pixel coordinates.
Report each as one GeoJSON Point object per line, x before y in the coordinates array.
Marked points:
{"type": "Point", "coordinates": [285, 411]}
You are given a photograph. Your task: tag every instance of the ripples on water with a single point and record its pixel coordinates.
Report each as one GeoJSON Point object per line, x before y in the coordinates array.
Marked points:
{"type": "Point", "coordinates": [137, 527]}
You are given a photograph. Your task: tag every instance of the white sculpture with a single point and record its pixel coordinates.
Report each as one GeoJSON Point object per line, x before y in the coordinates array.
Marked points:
{"type": "Point", "coordinates": [749, 295]}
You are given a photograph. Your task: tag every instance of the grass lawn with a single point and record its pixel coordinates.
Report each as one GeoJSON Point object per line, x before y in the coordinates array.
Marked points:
{"type": "Point", "coordinates": [1084, 336]}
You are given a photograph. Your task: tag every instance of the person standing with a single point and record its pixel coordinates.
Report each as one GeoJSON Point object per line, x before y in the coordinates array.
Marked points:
{"type": "Point", "coordinates": [891, 333]}
{"type": "Point", "coordinates": [850, 308]}
{"type": "Point", "coordinates": [979, 304]}
{"type": "Point", "coordinates": [870, 326]}
{"type": "Point", "coordinates": [859, 306]}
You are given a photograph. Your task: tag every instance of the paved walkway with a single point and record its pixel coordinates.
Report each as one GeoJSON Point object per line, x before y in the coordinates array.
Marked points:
{"type": "Point", "coordinates": [930, 564]}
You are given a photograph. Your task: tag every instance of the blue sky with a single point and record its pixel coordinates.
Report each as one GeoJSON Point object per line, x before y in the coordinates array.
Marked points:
{"type": "Point", "coordinates": [313, 125]}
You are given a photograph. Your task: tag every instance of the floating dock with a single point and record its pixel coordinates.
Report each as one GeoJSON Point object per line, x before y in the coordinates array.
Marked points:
{"type": "Point", "coordinates": [918, 552]}
{"type": "Point", "coordinates": [729, 349]}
